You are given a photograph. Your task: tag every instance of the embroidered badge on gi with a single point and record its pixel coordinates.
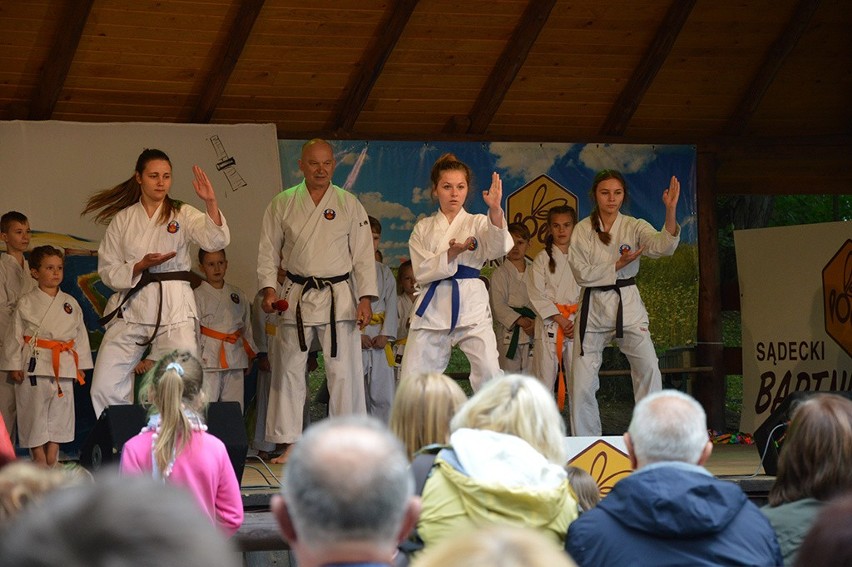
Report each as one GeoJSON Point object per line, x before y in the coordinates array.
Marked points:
{"type": "Point", "coordinates": [329, 214]}
{"type": "Point", "coordinates": [474, 244]}
{"type": "Point", "coordinates": [624, 249]}
{"type": "Point", "coordinates": [173, 227]}
{"type": "Point", "coordinates": [235, 298]}
{"type": "Point", "coordinates": [68, 309]}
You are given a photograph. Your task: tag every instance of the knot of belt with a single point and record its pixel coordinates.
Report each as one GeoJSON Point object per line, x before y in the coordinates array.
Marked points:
{"type": "Point", "coordinates": [230, 338]}
{"type": "Point", "coordinates": [516, 332]}
{"type": "Point", "coordinates": [379, 319]}
{"type": "Point", "coordinates": [146, 278]}
{"type": "Point", "coordinates": [566, 310]}
{"type": "Point", "coordinates": [619, 315]}
{"type": "Point", "coordinates": [314, 282]}
{"type": "Point", "coordinates": [462, 273]}
{"type": "Point", "coordinates": [57, 348]}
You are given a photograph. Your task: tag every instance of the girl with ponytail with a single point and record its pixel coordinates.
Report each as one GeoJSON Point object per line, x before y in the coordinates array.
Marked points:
{"type": "Point", "coordinates": [554, 294]}
{"type": "Point", "coordinates": [147, 241]}
{"type": "Point", "coordinates": [175, 447]}
{"type": "Point", "coordinates": [604, 258]}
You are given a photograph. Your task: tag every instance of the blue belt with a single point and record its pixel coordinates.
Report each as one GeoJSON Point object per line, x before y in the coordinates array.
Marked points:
{"type": "Point", "coordinates": [462, 273]}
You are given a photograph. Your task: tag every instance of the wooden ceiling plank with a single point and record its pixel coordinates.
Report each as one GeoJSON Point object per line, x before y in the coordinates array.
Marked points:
{"type": "Point", "coordinates": [372, 65]}
{"type": "Point", "coordinates": [59, 60]}
{"type": "Point", "coordinates": [628, 101]}
{"type": "Point", "coordinates": [215, 84]}
{"type": "Point", "coordinates": [507, 67]}
{"type": "Point", "coordinates": [772, 63]}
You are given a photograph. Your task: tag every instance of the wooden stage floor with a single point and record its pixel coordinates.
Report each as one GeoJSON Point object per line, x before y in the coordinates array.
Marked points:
{"type": "Point", "coordinates": [738, 463]}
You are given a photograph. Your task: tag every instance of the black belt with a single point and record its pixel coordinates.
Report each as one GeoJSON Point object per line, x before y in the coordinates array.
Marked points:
{"type": "Point", "coordinates": [314, 282]}
{"type": "Point", "coordinates": [619, 315]}
{"type": "Point", "coordinates": [150, 277]}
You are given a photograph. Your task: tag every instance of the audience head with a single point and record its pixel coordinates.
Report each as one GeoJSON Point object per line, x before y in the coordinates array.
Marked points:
{"type": "Point", "coordinates": [24, 484]}
{"type": "Point", "coordinates": [668, 426]}
{"type": "Point", "coordinates": [422, 409]}
{"type": "Point", "coordinates": [173, 386]}
{"type": "Point", "coordinates": [520, 406]}
{"type": "Point", "coordinates": [496, 547]}
{"type": "Point", "coordinates": [584, 486]}
{"type": "Point", "coordinates": [115, 521]}
{"type": "Point", "coordinates": [346, 487]}
{"type": "Point", "coordinates": [827, 542]}
{"type": "Point", "coordinates": [816, 459]}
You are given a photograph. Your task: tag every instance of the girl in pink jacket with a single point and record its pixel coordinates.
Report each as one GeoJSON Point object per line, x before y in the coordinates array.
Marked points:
{"type": "Point", "coordinates": [175, 446]}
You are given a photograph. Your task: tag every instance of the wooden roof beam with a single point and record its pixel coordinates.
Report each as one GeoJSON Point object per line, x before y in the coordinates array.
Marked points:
{"type": "Point", "coordinates": [507, 67]}
{"type": "Point", "coordinates": [361, 83]}
{"type": "Point", "coordinates": [773, 61]}
{"type": "Point", "coordinates": [58, 61]}
{"type": "Point", "coordinates": [643, 76]}
{"type": "Point", "coordinates": [214, 86]}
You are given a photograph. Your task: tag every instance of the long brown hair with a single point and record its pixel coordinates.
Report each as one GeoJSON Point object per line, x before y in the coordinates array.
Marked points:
{"type": "Point", "coordinates": [109, 202]}
{"type": "Point", "coordinates": [817, 452]}
{"type": "Point", "coordinates": [172, 385]}
{"type": "Point", "coordinates": [595, 217]}
{"type": "Point", "coordinates": [548, 240]}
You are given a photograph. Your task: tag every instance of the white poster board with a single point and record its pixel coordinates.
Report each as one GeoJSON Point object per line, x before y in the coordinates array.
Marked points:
{"type": "Point", "coordinates": [51, 168]}
{"type": "Point", "coordinates": [795, 286]}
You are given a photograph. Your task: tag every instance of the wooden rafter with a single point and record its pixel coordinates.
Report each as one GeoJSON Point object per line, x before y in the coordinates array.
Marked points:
{"type": "Point", "coordinates": [214, 86]}
{"type": "Point", "coordinates": [644, 74]}
{"type": "Point", "coordinates": [58, 61]}
{"type": "Point", "coordinates": [775, 57]}
{"type": "Point", "coordinates": [508, 65]}
{"type": "Point", "coordinates": [362, 82]}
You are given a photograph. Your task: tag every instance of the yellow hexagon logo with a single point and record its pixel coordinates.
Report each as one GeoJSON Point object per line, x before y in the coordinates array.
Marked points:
{"type": "Point", "coordinates": [529, 205]}
{"type": "Point", "coordinates": [837, 297]}
{"type": "Point", "coordinates": [605, 463]}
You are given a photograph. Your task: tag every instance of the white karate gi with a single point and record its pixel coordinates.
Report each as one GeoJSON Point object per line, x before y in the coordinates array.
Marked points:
{"type": "Point", "coordinates": [546, 291]}
{"type": "Point", "coordinates": [404, 311]}
{"type": "Point", "coordinates": [15, 281]}
{"type": "Point", "coordinates": [378, 374]}
{"type": "Point", "coordinates": [129, 237]}
{"type": "Point", "coordinates": [42, 415]}
{"type": "Point", "coordinates": [593, 265]}
{"type": "Point", "coordinates": [430, 339]}
{"type": "Point", "coordinates": [226, 311]}
{"type": "Point", "coordinates": [508, 290]}
{"type": "Point", "coordinates": [325, 240]}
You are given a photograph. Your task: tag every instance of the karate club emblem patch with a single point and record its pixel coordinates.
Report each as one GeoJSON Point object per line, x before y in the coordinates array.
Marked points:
{"type": "Point", "coordinates": [173, 227]}
{"type": "Point", "coordinates": [68, 309]}
{"type": "Point", "coordinates": [624, 249]}
{"type": "Point", "coordinates": [235, 298]}
{"type": "Point", "coordinates": [329, 214]}
{"type": "Point", "coordinates": [474, 244]}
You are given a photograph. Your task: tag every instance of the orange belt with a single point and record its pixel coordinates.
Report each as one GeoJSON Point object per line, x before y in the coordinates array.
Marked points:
{"type": "Point", "coordinates": [566, 309]}
{"type": "Point", "coordinates": [57, 348]}
{"type": "Point", "coordinates": [230, 338]}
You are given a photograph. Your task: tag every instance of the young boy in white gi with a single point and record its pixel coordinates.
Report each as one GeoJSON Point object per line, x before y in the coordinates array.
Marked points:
{"type": "Point", "coordinates": [376, 351]}
{"type": "Point", "coordinates": [49, 350]}
{"type": "Point", "coordinates": [225, 344]}
{"type": "Point", "coordinates": [511, 306]}
{"type": "Point", "coordinates": [15, 281]}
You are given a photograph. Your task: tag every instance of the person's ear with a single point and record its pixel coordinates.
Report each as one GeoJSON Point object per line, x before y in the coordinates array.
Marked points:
{"type": "Point", "coordinates": [630, 453]}
{"type": "Point", "coordinates": [409, 520]}
{"type": "Point", "coordinates": [282, 516]}
{"type": "Point", "coordinates": [705, 454]}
